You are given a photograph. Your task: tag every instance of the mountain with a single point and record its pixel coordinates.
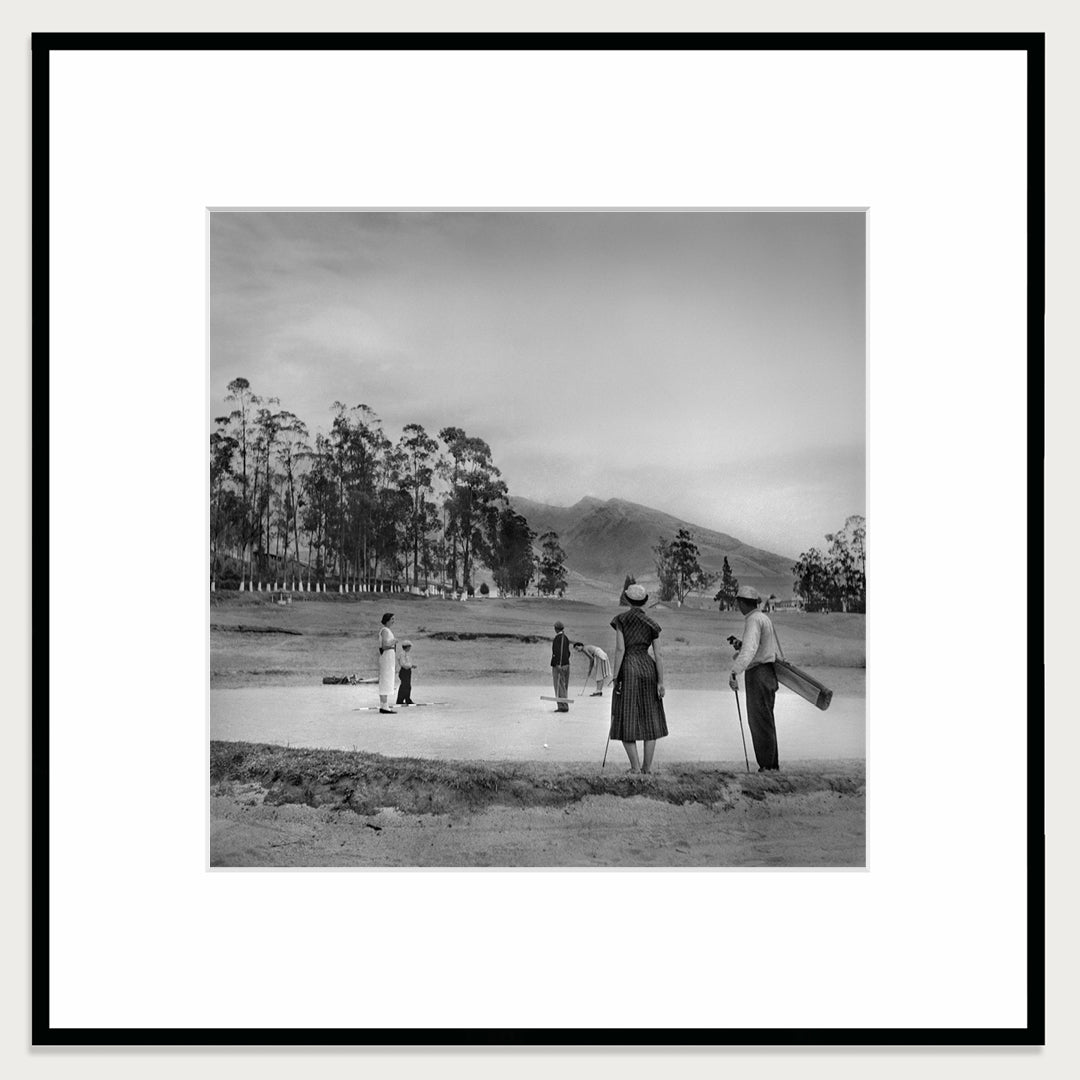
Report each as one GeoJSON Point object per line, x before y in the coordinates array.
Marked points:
{"type": "Point", "coordinates": [605, 540]}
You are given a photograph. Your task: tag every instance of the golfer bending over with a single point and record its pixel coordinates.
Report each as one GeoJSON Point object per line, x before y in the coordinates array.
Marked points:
{"type": "Point", "coordinates": [637, 707]}
{"type": "Point", "coordinates": [598, 659]}
{"type": "Point", "coordinates": [757, 657]}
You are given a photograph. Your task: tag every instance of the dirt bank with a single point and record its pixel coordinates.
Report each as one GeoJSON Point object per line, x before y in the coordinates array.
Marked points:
{"type": "Point", "coordinates": [272, 806]}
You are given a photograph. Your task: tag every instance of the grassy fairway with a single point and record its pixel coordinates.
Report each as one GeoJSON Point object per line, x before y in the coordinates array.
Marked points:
{"type": "Point", "coordinates": [335, 635]}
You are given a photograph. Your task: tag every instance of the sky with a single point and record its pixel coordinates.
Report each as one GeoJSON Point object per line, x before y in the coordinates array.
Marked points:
{"type": "Point", "coordinates": [708, 364]}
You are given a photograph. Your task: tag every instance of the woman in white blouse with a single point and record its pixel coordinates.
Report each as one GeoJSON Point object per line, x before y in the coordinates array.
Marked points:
{"type": "Point", "coordinates": [387, 655]}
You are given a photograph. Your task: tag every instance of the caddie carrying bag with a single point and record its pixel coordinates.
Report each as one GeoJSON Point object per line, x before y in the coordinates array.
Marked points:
{"type": "Point", "coordinates": [806, 686]}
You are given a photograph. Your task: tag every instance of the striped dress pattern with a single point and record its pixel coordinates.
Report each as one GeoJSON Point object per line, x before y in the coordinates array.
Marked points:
{"type": "Point", "coordinates": [636, 709]}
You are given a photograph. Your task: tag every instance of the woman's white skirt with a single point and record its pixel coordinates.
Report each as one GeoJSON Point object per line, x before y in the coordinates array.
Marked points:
{"type": "Point", "coordinates": [386, 672]}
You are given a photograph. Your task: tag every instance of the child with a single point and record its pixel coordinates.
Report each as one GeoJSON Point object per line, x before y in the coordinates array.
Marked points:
{"type": "Point", "coordinates": [404, 694]}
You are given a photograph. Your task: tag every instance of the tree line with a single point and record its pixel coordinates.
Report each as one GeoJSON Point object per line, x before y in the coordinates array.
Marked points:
{"type": "Point", "coordinates": [681, 573]}
{"type": "Point", "coordinates": [835, 579]}
{"type": "Point", "coordinates": [353, 507]}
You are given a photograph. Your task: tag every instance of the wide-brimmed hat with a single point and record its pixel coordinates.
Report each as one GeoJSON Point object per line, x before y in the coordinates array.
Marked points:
{"type": "Point", "coordinates": [637, 594]}
{"type": "Point", "coordinates": [748, 592]}
{"type": "Point", "coordinates": [559, 625]}
{"type": "Point", "coordinates": [406, 644]}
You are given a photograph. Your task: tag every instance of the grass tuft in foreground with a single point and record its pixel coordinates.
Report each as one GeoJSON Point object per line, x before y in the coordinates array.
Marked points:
{"type": "Point", "coordinates": [364, 783]}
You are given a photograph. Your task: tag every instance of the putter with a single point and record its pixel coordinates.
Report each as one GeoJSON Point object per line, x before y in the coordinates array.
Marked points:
{"type": "Point", "coordinates": [741, 732]}
{"type": "Point", "coordinates": [608, 743]}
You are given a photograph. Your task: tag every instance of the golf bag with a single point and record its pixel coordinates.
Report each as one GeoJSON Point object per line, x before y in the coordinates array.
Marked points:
{"type": "Point", "coordinates": [797, 680]}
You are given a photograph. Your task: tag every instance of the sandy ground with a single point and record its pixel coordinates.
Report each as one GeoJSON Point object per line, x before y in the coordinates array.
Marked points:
{"type": "Point", "coordinates": [273, 806]}
{"type": "Point", "coordinates": [488, 660]}
{"type": "Point", "coordinates": [473, 722]}
{"type": "Point", "coordinates": [820, 829]}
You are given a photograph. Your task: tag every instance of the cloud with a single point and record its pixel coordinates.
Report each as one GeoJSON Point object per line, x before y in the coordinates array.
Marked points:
{"type": "Point", "coordinates": [682, 360]}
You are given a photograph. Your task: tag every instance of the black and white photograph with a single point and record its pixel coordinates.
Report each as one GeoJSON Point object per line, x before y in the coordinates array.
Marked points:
{"type": "Point", "coordinates": [537, 538]}
{"type": "Point", "coordinates": [496, 482]}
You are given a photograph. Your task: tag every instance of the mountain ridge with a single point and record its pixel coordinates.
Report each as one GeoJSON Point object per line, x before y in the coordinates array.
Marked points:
{"type": "Point", "coordinates": [606, 539]}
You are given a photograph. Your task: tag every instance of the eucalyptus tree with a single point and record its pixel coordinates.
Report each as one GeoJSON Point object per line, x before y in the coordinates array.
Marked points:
{"type": "Point", "coordinates": [389, 510]}
{"type": "Point", "coordinates": [449, 468]}
{"type": "Point", "coordinates": [678, 567]}
{"type": "Point", "coordinates": [268, 424]}
{"type": "Point", "coordinates": [436, 552]}
{"type": "Point", "coordinates": [552, 576]}
{"type": "Point", "coordinates": [418, 450]}
{"type": "Point", "coordinates": [475, 498]}
{"type": "Point", "coordinates": [293, 450]}
{"type": "Point", "coordinates": [222, 454]}
{"type": "Point", "coordinates": [432, 544]}
{"type": "Point", "coordinates": [356, 438]}
{"type": "Point", "coordinates": [318, 497]}
{"type": "Point", "coordinates": [835, 580]}
{"type": "Point", "coordinates": [239, 391]}
{"type": "Point", "coordinates": [847, 564]}
{"type": "Point", "coordinates": [508, 553]}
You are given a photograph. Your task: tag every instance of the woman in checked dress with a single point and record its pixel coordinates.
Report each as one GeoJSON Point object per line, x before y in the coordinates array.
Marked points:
{"type": "Point", "coordinates": [637, 706]}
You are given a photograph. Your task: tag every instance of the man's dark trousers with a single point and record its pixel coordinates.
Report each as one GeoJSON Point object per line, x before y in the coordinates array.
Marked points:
{"type": "Point", "coordinates": [404, 694]}
{"type": "Point", "coordinates": [560, 669]}
{"type": "Point", "coordinates": [761, 687]}
{"type": "Point", "coordinates": [560, 679]}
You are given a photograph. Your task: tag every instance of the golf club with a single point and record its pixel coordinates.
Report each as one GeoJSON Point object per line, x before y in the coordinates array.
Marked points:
{"type": "Point", "coordinates": [741, 732]}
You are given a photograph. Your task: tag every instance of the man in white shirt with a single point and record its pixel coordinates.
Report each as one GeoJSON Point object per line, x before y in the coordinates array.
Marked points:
{"type": "Point", "coordinates": [756, 657]}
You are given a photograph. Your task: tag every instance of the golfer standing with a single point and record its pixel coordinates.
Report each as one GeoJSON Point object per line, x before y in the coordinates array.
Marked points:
{"type": "Point", "coordinates": [387, 653]}
{"type": "Point", "coordinates": [637, 705]}
{"type": "Point", "coordinates": [560, 667]}
{"type": "Point", "coordinates": [757, 658]}
{"type": "Point", "coordinates": [405, 669]}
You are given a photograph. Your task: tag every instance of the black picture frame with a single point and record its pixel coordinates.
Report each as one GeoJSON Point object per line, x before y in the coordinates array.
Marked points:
{"type": "Point", "coordinates": [45, 1034]}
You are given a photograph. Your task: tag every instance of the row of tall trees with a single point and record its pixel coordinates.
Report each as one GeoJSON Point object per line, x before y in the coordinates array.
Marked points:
{"type": "Point", "coordinates": [353, 506]}
{"type": "Point", "coordinates": [835, 579]}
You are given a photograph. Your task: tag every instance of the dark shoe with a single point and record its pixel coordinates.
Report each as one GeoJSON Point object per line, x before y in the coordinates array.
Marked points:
{"type": "Point", "coordinates": [392, 711]}
{"type": "Point", "coordinates": [599, 693]}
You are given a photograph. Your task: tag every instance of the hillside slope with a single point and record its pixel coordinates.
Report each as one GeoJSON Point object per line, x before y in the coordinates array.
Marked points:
{"type": "Point", "coordinates": [604, 541]}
